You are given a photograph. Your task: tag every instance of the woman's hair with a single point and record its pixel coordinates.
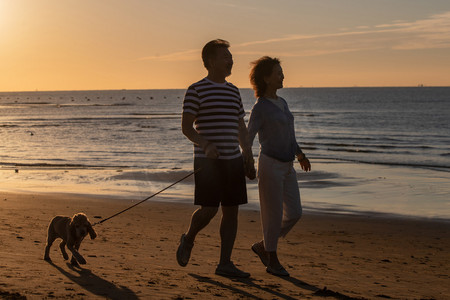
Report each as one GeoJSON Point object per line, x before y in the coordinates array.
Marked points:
{"type": "Point", "coordinates": [262, 68]}
{"type": "Point", "coordinates": [209, 50]}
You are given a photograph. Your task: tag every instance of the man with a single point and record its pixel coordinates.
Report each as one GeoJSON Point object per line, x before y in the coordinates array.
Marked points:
{"type": "Point", "coordinates": [214, 107]}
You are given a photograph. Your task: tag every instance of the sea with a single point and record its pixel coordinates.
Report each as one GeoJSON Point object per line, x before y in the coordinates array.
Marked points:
{"type": "Point", "coordinates": [380, 150]}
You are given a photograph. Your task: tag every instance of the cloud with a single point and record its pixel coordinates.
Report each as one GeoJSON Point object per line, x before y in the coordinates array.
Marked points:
{"type": "Point", "coordinates": [187, 55]}
{"type": "Point", "coordinates": [304, 53]}
{"type": "Point", "coordinates": [429, 33]}
{"type": "Point", "coordinates": [426, 34]}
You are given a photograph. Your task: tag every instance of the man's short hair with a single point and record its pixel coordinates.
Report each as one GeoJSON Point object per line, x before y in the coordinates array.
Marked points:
{"type": "Point", "coordinates": [210, 49]}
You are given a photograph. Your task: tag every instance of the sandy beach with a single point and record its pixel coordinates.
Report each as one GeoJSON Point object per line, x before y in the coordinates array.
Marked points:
{"type": "Point", "coordinates": [133, 257]}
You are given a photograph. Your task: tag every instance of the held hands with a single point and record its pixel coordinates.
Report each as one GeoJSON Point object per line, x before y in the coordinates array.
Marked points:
{"type": "Point", "coordinates": [249, 165]}
{"type": "Point", "coordinates": [304, 162]}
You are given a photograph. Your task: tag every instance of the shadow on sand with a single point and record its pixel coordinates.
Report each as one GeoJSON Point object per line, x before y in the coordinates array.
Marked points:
{"type": "Point", "coordinates": [96, 285]}
{"type": "Point", "coordinates": [272, 289]}
{"type": "Point", "coordinates": [252, 283]}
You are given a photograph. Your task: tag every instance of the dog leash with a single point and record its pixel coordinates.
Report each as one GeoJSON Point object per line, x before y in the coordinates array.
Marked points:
{"type": "Point", "coordinates": [167, 187]}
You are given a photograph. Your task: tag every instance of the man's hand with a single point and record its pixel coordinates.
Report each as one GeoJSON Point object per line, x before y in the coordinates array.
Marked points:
{"type": "Point", "coordinates": [211, 150]}
{"type": "Point", "coordinates": [187, 122]}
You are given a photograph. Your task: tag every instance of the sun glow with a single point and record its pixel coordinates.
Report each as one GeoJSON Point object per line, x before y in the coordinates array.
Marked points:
{"type": "Point", "coordinates": [84, 44]}
{"type": "Point", "coordinates": [4, 16]}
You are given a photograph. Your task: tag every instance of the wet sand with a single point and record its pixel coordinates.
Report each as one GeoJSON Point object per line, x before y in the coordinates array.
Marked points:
{"type": "Point", "coordinates": [133, 257]}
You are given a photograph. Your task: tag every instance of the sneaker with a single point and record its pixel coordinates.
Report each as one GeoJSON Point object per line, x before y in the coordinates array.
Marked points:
{"type": "Point", "coordinates": [280, 271]}
{"type": "Point", "coordinates": [184, 251]}
{"type": "Point", "coordinates": [230, 270]}
{"type": "Point", "coordinates": [258, 248]}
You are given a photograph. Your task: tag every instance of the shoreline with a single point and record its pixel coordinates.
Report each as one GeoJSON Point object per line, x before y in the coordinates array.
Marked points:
{"type": "Point", "coordinates": [354, 257]}
{"type": "Point", "coordinates": [339, 187]}
{"type": "Point", "coordinates": [168, 199]}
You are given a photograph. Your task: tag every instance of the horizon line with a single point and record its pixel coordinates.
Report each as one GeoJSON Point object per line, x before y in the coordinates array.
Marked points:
{"type": "Point", "coordinates": [287, 87]}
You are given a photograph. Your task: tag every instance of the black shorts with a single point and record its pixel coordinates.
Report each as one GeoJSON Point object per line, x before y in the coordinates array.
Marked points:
{"type": "Point", "coordinates": [219, 181]}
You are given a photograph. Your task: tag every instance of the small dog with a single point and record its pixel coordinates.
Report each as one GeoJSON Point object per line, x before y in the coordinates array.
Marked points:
{"type": "Point", "coordinates": [72, 232]}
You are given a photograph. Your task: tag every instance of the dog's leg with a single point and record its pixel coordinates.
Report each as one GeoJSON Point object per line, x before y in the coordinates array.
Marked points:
{"type": "Point", "coordinates": [76, 256]}
{"type": "Point", "coordinates": [74, 262]}
{"type": "Point", "coordinates": [50, 239]}
{"type": "Point", "coordinates": [62, 246]}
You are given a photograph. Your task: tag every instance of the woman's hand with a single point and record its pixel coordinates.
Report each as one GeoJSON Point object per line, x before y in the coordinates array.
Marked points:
{"type": "Point", "coordinates": [304, 162]}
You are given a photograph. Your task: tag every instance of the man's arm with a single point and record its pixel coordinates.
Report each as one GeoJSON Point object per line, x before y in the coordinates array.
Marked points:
{"type": "Point", "coordinates": [243, 138]}
{"type": "Point", "coordinates": [187, 127]}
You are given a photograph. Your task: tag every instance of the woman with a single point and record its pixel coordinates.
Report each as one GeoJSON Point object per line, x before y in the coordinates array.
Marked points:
{"type": "Point", "coordinates": [279, 194]}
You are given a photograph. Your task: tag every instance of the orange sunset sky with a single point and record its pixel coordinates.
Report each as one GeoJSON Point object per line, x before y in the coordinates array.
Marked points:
{"type": "Point", "coordinates": [145, 44]}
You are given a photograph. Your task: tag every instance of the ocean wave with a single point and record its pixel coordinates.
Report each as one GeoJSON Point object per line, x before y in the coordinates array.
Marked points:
{"type": "Point", "coordinates": [330, 207]}
{"type": "Point", "coordinates": [44, 125]}
{"type": "Point", "coordinates": [95, 104]}
{"type": "Point", "coordinates": [315, 179]}
{"type": "Point", "coordinates": [32, 103]}
{"type": "Point", "coordinates": [341, 137]}
{"type": "Point", "coordinates": [318, 175]}
{"type": "Point", "coordinates": [159, 176]}
{"type": "Point", "coordinates": [322, 179]}
{"type": "Point", "coordinates": [356, 145]}
{"type": "Point", "coordinates": [344, 146]}
{"type": "Point", "coordinates": [61, 105]}
{"type": "Point", "coordinates": [345, 136]}
{"type": "Point", "coordinates": [125, 117]}
{"type": "Point", "coordinates": [58, 166]}
{"type": "Point", "coordinates": [436, 167]}
{"type": "Point", "coordinates": [303, 114]}
{"type": "Point", "coordinates": [355, 150]}
{"type": "Point", "coordinates": [156, 114]}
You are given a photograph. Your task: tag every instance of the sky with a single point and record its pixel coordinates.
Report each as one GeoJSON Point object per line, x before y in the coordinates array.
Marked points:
{"type": "Point", "coordinates": [150, 44]}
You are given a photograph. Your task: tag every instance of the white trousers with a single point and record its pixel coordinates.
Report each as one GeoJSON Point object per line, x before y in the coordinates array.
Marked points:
{"type": "Point", "coordinates": [279, 198]}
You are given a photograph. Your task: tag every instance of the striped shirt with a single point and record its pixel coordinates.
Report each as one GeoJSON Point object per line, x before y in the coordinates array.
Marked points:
{"type": "Point", "coordinates": [217, 108]}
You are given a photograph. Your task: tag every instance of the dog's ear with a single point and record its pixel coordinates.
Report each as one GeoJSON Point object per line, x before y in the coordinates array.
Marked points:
{"type": "Point", "coordinates": [91, 231]}
{"type": "Point", "coordinates": [76, 219]}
